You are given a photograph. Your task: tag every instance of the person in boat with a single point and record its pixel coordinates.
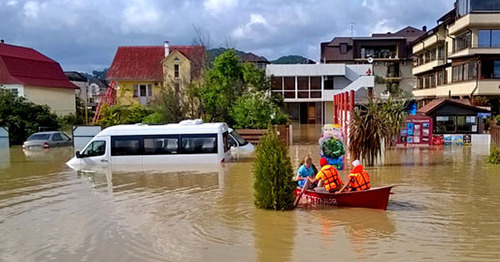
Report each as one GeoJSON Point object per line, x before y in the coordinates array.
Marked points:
{"type": "Point", "coordinates": [359, 179]}
{"type": "Point", "coordinates": [306, 169]}
{"type": "Point", "coordinates": [328, 178]}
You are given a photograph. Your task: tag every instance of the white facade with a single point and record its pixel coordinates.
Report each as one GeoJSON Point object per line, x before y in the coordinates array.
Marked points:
{"type": "Point", "coordinates": [308, 89]}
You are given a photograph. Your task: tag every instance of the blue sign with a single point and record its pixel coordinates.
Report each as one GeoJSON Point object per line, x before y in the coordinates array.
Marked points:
{"type": "Point", "coordinates": [483, 115]}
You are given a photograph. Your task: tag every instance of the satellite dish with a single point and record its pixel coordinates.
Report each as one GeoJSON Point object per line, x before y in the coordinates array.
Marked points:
{"type": "Point", "coordinates": [370, 60]}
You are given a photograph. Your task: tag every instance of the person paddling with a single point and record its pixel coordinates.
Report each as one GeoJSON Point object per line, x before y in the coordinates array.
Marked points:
{"type": "Point", "coordinates": [305, 170]}
{"type": "Point", "coordinates": [358, 178]}
{"type": "Point", "coordinates": [328, 175]}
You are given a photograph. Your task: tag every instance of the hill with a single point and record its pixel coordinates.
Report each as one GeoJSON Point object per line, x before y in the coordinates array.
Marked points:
{"type": "Point", "coordinates": [293, 59]}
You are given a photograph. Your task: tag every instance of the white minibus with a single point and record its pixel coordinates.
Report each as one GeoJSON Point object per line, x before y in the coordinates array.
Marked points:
{"type": "Point", "coordinates": [188, 142]}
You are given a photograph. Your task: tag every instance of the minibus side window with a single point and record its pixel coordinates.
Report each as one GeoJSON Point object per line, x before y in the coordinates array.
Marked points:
{"type": "Point", "coordinates": [126, 145]}
{"type": "Point", "coordinates": [96, 148]}
{"type": "Point", "coordinates": [225, 137]}
{"type": "Point", "coordinates": [199, 144]}
{"type": "Point", "coordinates": [157, 145]}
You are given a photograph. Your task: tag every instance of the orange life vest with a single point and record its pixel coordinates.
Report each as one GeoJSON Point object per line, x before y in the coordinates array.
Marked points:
{"type": "Point", "coordinates": [359, 179]}
{"type": "Point", "coordinates": [330, 177]}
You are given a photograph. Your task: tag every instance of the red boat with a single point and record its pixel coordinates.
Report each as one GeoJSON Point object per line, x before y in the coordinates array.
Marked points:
{"type": "Point", "coordinates": [376, 198]}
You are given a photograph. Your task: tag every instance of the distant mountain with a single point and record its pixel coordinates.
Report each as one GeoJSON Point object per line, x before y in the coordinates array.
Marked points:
{"type": "Point", "coordinates": [293, 59]}
{"type": "Point", "coordinates": [215, 52]}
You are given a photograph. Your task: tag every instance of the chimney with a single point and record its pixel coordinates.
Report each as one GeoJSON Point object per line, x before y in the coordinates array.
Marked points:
{"type": "Point", "coordinates": [2, 41]}
{"type": "Point", "coordinates": [167, 48]}
{"type": "Point", "coordinates": [424, 28]}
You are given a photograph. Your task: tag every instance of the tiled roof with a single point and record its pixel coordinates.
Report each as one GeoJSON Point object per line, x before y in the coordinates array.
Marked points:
{"type": "Point", "coordinates": [26, 66]}
{"type": "Point", "coordinates": [144, 62]}
{"type": "Point", "coordinates": [437, 103]}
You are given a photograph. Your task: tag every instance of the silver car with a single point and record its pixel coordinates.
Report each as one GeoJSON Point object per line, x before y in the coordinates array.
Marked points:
{"type": "Point", "coordinates": [47, 140]}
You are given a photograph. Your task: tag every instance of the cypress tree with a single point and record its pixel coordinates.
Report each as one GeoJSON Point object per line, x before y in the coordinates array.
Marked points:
{"type": "Point", "coordinates": [274, 186]}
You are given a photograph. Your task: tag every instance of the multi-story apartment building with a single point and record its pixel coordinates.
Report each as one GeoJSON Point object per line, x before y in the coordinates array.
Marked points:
{"type": "Point", "coordinates": [389, 53]}
{"type": "Point", "coordinates": [460, 57]}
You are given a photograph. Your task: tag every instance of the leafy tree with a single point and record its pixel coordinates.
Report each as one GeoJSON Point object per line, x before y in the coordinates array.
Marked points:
{"type": "Point", "coordinates": [223, 85]}
{"type": "Point", "coordinates": [23, 118]}
{"type": "Point", "coordinates": [256, 110]}
{"type": "Point", "coordinates": [274, 186]}
{"type": "Point", "coordinates": [171, 105]}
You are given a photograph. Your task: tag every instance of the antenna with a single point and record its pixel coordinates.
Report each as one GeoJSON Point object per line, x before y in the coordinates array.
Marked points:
{"type": "Point", "coordinates": [352, 28]}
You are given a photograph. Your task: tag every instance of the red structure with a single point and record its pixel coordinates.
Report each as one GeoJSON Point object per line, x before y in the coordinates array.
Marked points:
{"type": "Point", "coordinates": [343, 107]}
{"type": "Point", "coordinates": [109, 99]}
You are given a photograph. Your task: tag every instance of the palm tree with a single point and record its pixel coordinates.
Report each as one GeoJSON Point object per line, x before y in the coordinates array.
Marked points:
{"type": "Point", "coordinates": [369, 128]}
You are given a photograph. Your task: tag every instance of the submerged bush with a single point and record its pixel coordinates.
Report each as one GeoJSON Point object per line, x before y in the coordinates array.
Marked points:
{"type": "Point", "coordinates": [494, 157]}
{"type": "Point", "coordinates": [274, 186]}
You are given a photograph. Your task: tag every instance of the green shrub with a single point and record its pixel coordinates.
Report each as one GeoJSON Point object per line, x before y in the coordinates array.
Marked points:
{"type": "Point", "coordinates": [23, 118]}
{"type": "Point", "coordinates": [497, 118]}
{"type": "Point", "coordinates": [154, 118]}
{"type": "Point", "coordinates": [274, 186]}
{"type": "Point", "coordinates": [123, 114]}
{"type": "Point", "coordinates": [494, 157]}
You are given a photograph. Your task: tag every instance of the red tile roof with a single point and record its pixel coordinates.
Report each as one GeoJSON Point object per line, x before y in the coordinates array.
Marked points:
{"type": "Point", "coordinates": [26, 66]}
{"type": "Point", "coordinates": [144, 62]}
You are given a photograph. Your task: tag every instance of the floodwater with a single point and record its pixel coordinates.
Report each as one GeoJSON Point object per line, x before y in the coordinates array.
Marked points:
{"type": "Point", "coordinates": [446, 207]}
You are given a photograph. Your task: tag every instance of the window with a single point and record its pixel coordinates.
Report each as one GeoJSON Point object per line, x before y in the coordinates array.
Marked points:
{"type": "Point", "coordinates": [276, 83]}
{"type": "Point", "coordinates": [466, 124]}
{"type": "Point", "coordinates": [462, 41]}
{"type": "Point", "coordinates": [343, 48]}
{"type": "Point", "coordinates": [163, 144]}
{"type": "Point", "coordinates": [199, 144]}
{"type": "Point", "coordinates": [489, 38]}
{"type": "Point", "coordinates": [176, 70]}
{"type": "Point", "coordinates": [445, 124]}
{"type": "Point", "coordinates": [56, 137]}
{"type": "Point", "coordinates": [225, 140]}
{"type": "Point", "coordinates": [96, 148]}
{"type": "Point", "coordinates": [484, 5]}
{"type": "Point", "coordinates": [126, 145]}
{"type": "Point", "coordinates": [241, 141]}
{"type": "Point", "coordinates": [464, 72]}
{"type": "Point", "coordinates": [39, 137]}
{"type": "Point", "coordinates": [440, 51]}
{"type": "Point", "coordinates": [143, 90]}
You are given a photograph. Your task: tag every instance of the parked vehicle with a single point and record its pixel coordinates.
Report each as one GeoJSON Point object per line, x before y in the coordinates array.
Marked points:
{"type": "Point", "coordinates": [239, 146]}
{"type": "Point", "coordinates": [47, 140]}
{"type": "Point", "coordinates": [189, 142]}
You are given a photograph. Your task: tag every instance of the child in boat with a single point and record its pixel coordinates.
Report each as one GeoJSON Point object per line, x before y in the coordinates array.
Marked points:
{"type": "Point", "coordinates": [306, 169]}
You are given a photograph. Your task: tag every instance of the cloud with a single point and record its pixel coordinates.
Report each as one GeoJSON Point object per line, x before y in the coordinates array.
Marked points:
{"type": "Point", "coordinates": [219, 6]}
{"type": "Point", "coordinates": [84, 34]}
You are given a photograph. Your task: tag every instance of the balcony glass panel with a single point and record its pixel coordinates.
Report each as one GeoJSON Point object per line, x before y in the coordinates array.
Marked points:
{"type": "Point", "coordinates": [289, 83]}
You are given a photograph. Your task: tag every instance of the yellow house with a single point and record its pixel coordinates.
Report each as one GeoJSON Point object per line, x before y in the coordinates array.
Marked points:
{"type": "Point", "coordinates": [141, 72]}
{"type": "Point", "coordinates": [34, 76]}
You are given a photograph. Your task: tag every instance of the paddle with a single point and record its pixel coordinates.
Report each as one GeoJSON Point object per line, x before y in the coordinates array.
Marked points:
{"type": "Point", "coordinates": [306, 184]}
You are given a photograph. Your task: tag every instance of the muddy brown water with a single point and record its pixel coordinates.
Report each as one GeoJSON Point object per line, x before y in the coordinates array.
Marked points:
{"type": "Point", "coordinates": [446, 207]}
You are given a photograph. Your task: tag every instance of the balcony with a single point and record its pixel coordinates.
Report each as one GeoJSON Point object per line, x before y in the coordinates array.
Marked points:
{"type": "Point", "coordinates": [419, 69]}
{"type": "Point", "coordinates": [475, 20]}
{"type": "Point", "coordinates": [471, 51]}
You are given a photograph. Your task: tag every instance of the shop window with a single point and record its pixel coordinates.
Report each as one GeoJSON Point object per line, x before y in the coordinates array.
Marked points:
{"type": "Point", "coordinates": [466, 124]}
{"type": "Point", "coordinates": [445, 124]}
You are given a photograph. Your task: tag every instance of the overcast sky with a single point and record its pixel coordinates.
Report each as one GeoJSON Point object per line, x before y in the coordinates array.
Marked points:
{"type": "Point", "coordinates": [83, 35]}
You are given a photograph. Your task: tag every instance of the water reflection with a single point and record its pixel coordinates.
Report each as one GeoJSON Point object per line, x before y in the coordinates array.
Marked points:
{"type": "Point", "coordinates": [445, 208]}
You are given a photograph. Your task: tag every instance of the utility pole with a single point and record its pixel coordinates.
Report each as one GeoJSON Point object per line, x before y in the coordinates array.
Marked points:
{"type": "Point", "coordinates": [352, 29]}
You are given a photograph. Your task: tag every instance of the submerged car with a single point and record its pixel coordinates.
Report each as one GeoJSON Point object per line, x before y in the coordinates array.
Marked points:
{"type": "Point", "coordinates": [47, 140]}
